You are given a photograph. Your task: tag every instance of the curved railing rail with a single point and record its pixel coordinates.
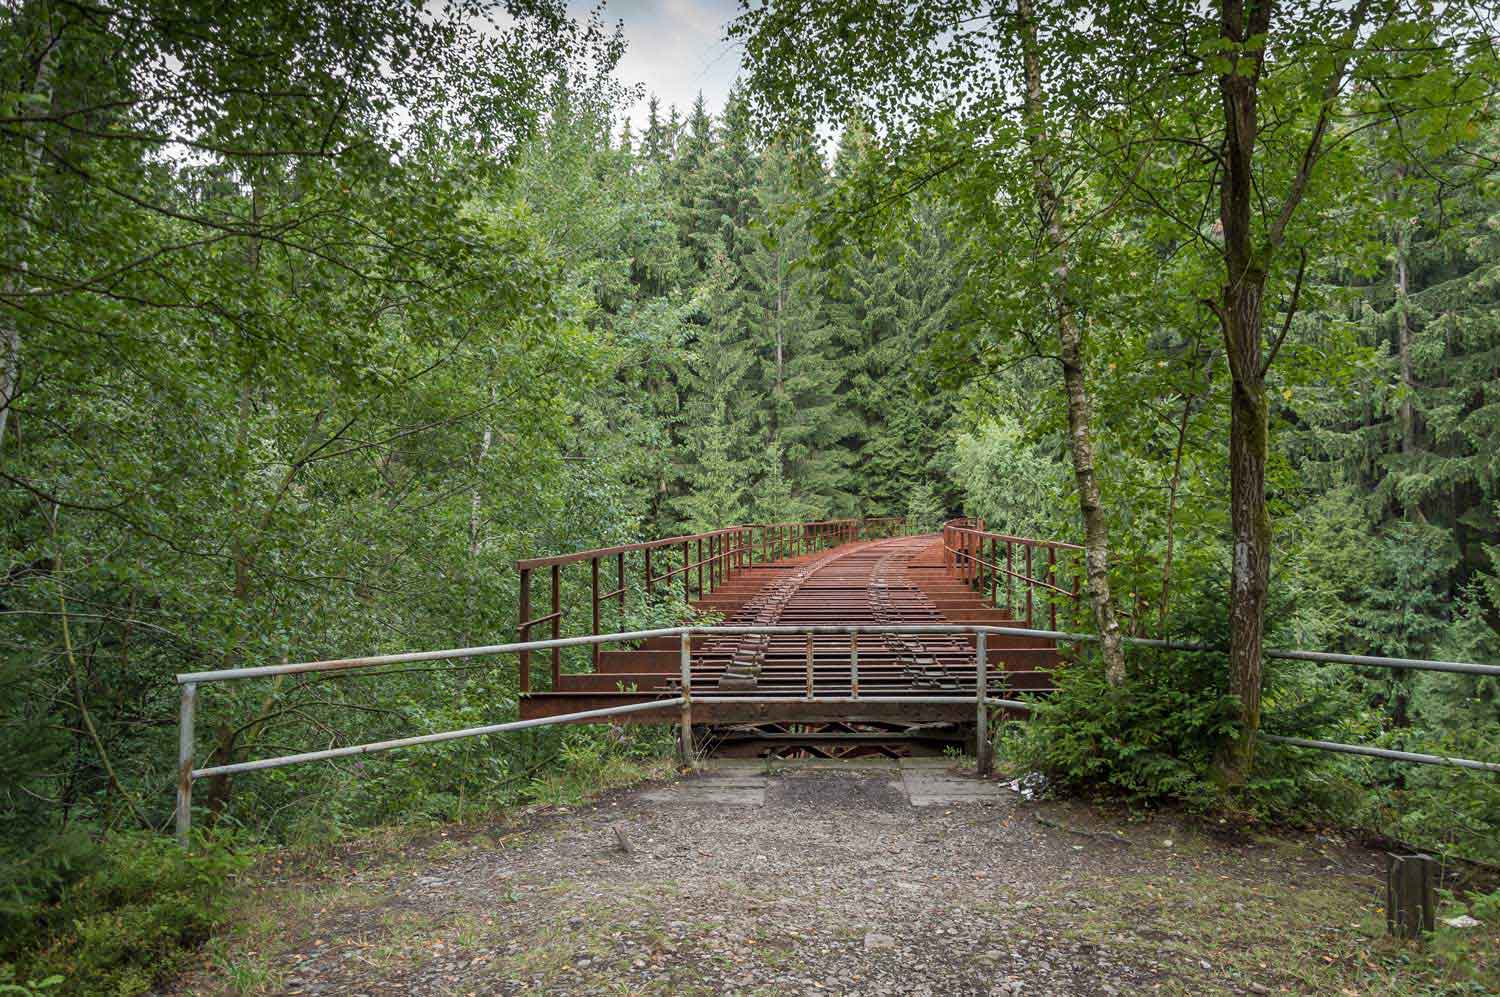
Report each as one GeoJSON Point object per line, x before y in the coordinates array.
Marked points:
{"type": "Point", "coordinates": [683, 700]}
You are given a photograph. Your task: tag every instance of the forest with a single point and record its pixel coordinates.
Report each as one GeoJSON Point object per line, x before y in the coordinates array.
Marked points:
{"type": "Point", "coordinates": [316, 317]}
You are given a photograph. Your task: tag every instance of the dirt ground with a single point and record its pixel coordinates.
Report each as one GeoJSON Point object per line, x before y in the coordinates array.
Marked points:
{"type": "Point", "coordinates": [814, 880]}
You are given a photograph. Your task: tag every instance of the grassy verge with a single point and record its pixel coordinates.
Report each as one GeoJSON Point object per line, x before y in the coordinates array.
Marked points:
{"type": "Point", "coordinates": [1217, 933]}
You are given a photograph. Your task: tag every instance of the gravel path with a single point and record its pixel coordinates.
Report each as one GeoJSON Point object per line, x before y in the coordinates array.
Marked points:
{"type": "Point", "coordinates": [834, 883]}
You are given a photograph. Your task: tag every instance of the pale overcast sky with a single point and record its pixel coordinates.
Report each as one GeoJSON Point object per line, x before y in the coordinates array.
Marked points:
{"type": "Point", "coordinates": [676, 48]}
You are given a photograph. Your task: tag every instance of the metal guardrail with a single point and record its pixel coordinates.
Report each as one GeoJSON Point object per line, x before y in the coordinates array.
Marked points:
{"type": "Point", "coordinates": [189, 681]}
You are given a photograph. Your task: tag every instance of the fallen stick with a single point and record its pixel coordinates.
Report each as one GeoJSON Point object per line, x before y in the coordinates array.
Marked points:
{"type": "Point", "coordinates": [1118, 839]}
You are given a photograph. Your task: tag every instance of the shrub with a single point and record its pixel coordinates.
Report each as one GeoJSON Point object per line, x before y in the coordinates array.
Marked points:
{"type": "Point", "coordinates": [125, 923]}
{"type": "Point", "coordinates": [1150, 739]}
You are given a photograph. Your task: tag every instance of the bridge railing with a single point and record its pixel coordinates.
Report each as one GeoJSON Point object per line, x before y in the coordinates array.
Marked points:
{"type": "Point", "coordinates": [1002, 564]}
{"type": "Point", "coordinates": [188, 773]}
{"type": "Point", "coordinates": [699, 563]}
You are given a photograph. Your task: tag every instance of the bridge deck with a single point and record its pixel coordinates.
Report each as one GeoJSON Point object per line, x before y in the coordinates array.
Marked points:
{"type": "Point", "coordinates": [901, 580]}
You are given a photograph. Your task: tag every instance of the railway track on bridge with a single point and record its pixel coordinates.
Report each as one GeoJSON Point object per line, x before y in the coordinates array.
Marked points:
{"type": "Point", "coordinates": [861, 583]}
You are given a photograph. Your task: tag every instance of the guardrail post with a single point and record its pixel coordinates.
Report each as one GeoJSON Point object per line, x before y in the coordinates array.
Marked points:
{"type": "Point", "coordinates": [523, 658]}
{"type": "Point", "coordinates": [594, 590]}
{"type": "Point", "coordinates": [685, 730]}
{"type": "Point", "coordinates": [809, 666]}
{"type": "Point", "coordinates": [983, 751]}
{"type": "Point", "coordinates": [620, 584]}
{"type": "Point", "coordinates": [185, 764]}
{"type": "Point", "coordinates": [1052, 580]}
{"type": "Point", "coordinates": [854, 664]}
{"type": "Point", "coordinates": [556, 625]}
{"type": "Point", "coordinates": [1030, 589]}
{"type": "Point", "coordinates": [1410, 895]}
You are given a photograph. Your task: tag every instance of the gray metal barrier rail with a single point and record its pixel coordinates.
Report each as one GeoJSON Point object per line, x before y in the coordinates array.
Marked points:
{"type": "Point", "coordinates": [187, 774]}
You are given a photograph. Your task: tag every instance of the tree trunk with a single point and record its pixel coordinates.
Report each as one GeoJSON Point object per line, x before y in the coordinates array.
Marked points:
{"type": "Point", "coordinates": [1240, 311]}
{"type": "Point", "coordinates": [1070, 337]}
{"type": "Point", "coordinates": [1407, 413]}
{"type": "Point", "coordinates": [16, 285]}
{"type": "Point", "coordinates": [1172, 488]}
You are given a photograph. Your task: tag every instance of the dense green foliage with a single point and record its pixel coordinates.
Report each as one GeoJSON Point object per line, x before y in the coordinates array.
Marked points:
{"type": "Point", "coordinates": [312, 323]}
{"type": "Point", "coordinates": [1373, 222]}
{"type": "Point", "coordinates": [316, 322]}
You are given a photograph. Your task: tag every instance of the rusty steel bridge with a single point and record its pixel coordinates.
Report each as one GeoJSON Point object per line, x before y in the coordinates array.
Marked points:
{"type": "Point", "coordinates": [829, 667]}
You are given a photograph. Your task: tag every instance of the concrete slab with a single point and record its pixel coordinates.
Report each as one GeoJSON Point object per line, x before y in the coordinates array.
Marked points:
{"type": "Point", "coordinates": [732, 787]}
{"type": "Point", "coordinates": [927, 786]}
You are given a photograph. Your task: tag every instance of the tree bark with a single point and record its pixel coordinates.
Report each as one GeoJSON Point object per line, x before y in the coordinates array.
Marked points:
{"type": "Point", "coordinates": [1406, 413]}
{"type": "Point", "coordinates": [1172, 488]}
{"type": "Point", "coordinates": [1071, 352]}
{"type": "Point", "coordinates": [16, 285]}
{"type": "Point", "coordinates": [1240, 317]}
{"type": "Point", "coordinates": [1241, 312]}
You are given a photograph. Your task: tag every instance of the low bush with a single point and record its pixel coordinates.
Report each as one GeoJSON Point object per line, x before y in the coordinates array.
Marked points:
{"type": "Point", "coordinates": [1152, 739]}
{"type": "Point", "coordinates": [123, 912]}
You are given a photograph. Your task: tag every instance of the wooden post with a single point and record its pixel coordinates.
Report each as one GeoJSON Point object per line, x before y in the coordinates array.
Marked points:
{"type": "Point", "coordinates": [983, 751]}
{"type": "Point", "coordinates": [556, 625]}
{"type": "Point", "coordinates": [685, 723]}
{"type": "Point", "coordinates": [523, 658]}
{"type": "Point", "coordinates": [1410, 894]}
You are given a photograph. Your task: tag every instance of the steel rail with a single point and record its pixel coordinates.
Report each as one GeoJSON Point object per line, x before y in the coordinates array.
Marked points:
{"type": "Point", "coordinates": [1417, 664]}
{"type": "Point", "coordinates": [1386, 753]}
{"type": "Point", "coordinates": [336, 664]}
{"type": "Point", "coordinates": [448, 735]}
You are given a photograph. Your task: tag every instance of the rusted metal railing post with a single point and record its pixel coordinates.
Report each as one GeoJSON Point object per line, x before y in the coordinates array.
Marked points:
{"type": "Point", "coordinates": [1030, 588]}
{"type": "Point", "coordinates": [646, 590]}
{"type": "Point", "coordinates": [1010, 578]}
{"type": "Point", "coordinates": [185, 764]}
{"type": "Point", "coordinates": [1052, 581]}
{"type": "Point", "coordinates": [854, 665]}
{"type": "Point", "coordinates": [983, 751]}
{"type": "Point", "coordinates": [685, 729]}
{"type": "Point", "coordinates": [620, 584]}
{"type": "Point", "coordinates": [687, 582]}
{"type": "Point", "coordinates": [809, 666]}
{"type": "Point", "coordinates": [594, 593]}
{"type": "Point", "coordinates": [994, 575]}
{"type": "Point", "coordinates": [523, 658]}
{"type": "Point", "coordinates": [556, 625]}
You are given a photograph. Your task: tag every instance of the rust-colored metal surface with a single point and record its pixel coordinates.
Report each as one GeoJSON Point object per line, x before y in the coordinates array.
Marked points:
{"type": "Point", "coordinates": [814, 574]}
